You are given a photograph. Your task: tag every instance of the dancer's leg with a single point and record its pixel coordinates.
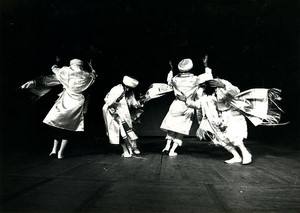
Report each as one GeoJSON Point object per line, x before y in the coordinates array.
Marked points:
{"type": "Point", "coordinates": [247, 157]}
{"type": "Point", "coordinates": [177, 142]}
{"type": "Point", "coordinates": [60, 154]}
{"type": "Point", "coordinates": [236, 156]}
{"type": "Point", "coordinates": [127, 153]}
{"type": "Point", "coordinates": [134, 147]}
{"type": "Point", "coordinates": [172, 151]}
{"type": "Point", "coordinates": [54, 148]}
{"type": "Point", "coordinates": [168, 145]}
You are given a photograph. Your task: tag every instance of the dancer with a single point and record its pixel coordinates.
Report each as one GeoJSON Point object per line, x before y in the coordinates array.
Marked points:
{"type": "Point", "coordinates": [118, 116]}
{"type": "Point", "coordinates": [67, 114]}
{"type": "Point", "coordinates": [224, 110]}
{"type": "Point", "coordinates": [178, 120]}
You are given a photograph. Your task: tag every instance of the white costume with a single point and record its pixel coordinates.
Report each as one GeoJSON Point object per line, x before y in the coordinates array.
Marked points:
{"type": "Point", "coordinates": [216, 112]}
{"type": "Point", "coordinates": [224, 112]}
{"type": "Point", "coordinates": [116, 111]}
{"type": "Point", "coordinates": [179, 117]}
{"type": "Point", "coordinates": [68, 111]}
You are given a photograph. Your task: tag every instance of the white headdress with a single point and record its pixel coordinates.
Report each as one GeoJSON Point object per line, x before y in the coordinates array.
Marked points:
{"type": "Point", "coordinates": [130, 82]}
{"type": "Point", "coordinates": [76, 62]}
{"type": "Point", "coordinates": [185, 65]}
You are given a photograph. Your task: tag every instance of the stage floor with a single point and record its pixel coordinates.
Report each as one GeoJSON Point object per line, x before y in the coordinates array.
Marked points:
{"type": "Point", "coordinates": [97, 179]}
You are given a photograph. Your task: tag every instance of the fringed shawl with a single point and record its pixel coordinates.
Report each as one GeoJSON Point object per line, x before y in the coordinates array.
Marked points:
{"type": "Point", "coordinates": [258, 105]}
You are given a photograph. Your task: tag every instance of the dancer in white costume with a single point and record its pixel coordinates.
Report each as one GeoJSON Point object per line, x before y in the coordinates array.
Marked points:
{"type": "Point", "coordinates": [178, 120]}
{"type": "Point", "coordinates": [224, 111]}
{"type": "Point", "coordinates": [117, 116]}
{"type": "Point", "coordinates": [67, 114]}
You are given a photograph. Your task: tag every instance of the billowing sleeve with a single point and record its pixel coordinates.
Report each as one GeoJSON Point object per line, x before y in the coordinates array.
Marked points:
{"type": "Point", "coordinates": [231, 89]}
{"type": "Point", "coordinates": [41, 85]}
{"type": "Point", "coordinates": [47, 80]}
{"type": "Point", "coordinates": [227, 93]}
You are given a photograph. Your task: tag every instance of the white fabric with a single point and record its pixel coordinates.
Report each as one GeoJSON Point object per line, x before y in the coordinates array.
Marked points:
{"type": "Point", "coordinates": [68, 111]}
{"type": "Point", "coordinates": [114, 112]}
{"type": "Point", "coordinates": [185, 65]}
{"type": "Point", "coordinates": [179, 117]}
{"type": "Point", "coordinates": [130, 82]}
{"type": "Point", "coordinates": [157, 90]}
{"type": "Point", "coordinates": [76, 62]}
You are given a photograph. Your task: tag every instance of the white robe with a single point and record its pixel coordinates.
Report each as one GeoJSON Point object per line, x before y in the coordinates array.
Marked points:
{"type": "Point", "coordinates": [68, 111]}
{"type": "Point", "coordinates": [179, 118]}
{"type": "Point", "coordinates": [224, 112]}
{"type": "Point", "coordinates": [115, 111]}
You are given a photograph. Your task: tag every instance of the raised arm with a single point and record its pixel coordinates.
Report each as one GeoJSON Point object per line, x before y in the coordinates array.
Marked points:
{"type": "Point", "coordinates": [170, 74]}
{"type": "Point", "coordinates": [207, 75]}
{"type": "Point", "coordinates": [92, 69]}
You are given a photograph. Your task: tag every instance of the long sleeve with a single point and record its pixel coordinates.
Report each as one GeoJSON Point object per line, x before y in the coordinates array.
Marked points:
{"type": "Point", "coordinates": [231, 89]}
{"type": "Point", "coordinates": [113, 95]}
{"type": "Point", "coordinates": [47, 80]}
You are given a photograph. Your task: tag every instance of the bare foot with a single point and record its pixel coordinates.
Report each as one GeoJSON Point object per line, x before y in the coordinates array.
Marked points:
{"type": "Point", "coordinates": [247, 159]}
{"type": "Point", "coordinates": [60, 156]}
{"type": "Point", "coordinates": [172, 154]}
{"type": "Point", "coordinates": [165, 151]}
{"type": "Point", "coordinates": [126, 155]}
{"type": "Point", "coordinates": [234, 160]}
{"type": "Point", "coordinates": [136, 151]}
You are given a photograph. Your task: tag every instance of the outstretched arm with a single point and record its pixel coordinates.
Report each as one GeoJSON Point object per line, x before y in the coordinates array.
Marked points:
{"type": "Point", "coordinates": [41, 81]}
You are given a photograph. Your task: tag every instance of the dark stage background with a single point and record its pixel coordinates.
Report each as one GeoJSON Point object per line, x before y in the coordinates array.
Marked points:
{"type": "Point", "coordinates": [250, 43]}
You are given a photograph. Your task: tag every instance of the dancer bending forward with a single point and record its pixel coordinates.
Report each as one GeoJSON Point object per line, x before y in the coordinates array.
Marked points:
{"type": "Point", "coordinates": [224, 109]}
{"type": "Point", "coordinates": [117, 116]}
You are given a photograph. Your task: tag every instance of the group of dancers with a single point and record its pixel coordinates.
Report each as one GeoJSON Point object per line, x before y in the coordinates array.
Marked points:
{"type": "Point", "coordinates": [221, 109]}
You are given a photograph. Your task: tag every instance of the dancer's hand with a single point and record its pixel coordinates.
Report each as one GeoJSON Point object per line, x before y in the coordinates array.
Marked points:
{"type": "Point", "coordinates": [171, 65]}
{"type": "Point", "coordinates": [28, 85]}
{"type": "Point", "coordinates": [181, 97]}
{"type": "Point", "coordinates": [57, 59]}
{"type": "Point", "coordinates": [205, 60]}
{"type": "Point", "coordinates": [90, 65]}
{"type": "Point", "coordinates": [54, 66]}
{"type": "Point", "coordinates": [215, 83]}
{"type": "Point", "coordinates": [112, 111]}
{"type": "Point", "coordinates": [144, 98]}
{"type": "Point", "coordinates": [222, 126]}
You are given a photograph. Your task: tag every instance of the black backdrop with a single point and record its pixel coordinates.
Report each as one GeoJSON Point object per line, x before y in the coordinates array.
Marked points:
{"type": "Point", "coordinates": [251, 43]}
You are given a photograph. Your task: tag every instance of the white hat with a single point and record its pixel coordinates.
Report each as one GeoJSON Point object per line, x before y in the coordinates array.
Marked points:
{"type": "Point", "coordinates": [130, 82]}
{"type": "Point", "coordinates": [76, 62]}
{"type": "Point", "coordinates": [185, 65]}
